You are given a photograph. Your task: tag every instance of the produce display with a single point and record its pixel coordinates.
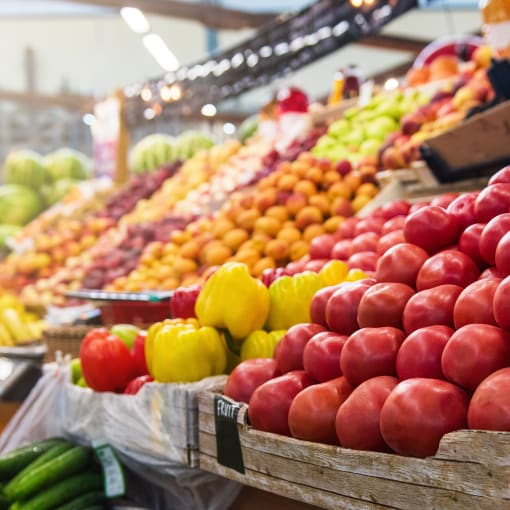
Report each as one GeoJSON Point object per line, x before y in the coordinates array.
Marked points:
{"type": "Point", "coordinates": [17, 325]}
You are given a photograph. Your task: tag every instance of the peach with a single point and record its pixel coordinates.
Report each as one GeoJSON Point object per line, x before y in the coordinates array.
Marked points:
{"type": "Point", "coordinates": [233, 211]}
{"type": "Point", "coordinates": [330, 177]}
{"type": "Point", "coordinates": [298, 249]}
{"type": "Point", "coordinates": [331, 224]}
{"type": "Point", "coordinates": [278, 249]}
{"type": "Point", "coordinates": [247, 218]}
{"type": "Point", "coordinates": [339, 189]}
{"type": "Point", "coordinates": [190, 250]}
{"type": "Point", "coordinates": [312, 231]}
{"type": "Point", "coordinates": [299, 168]}
{"type": "Point", "coordinates": [265, 199]}
{"type": "Point", "coordinates": [216, 254]}
{"type": "Point", "coordinates": [180, 237]}
{"type": "Point", "coordinates": [314, 174]}
{"type": "Point", "coordinates": [296, 202]}
{"type": "Point", "coordinates": [261, 237]}
{"type": "Point", "coordinates": [221, 226]}
{"type": "Point", "coordinates": [279, 212]}
{"type": "Point", "coordinates": [249, 257]}
{"type": "Point", "coordinates": [320, 201]}
{"type": "Point", "coordinates": [341, 207]}
{"type": "Point", "coordinates": [268, 225]}
{"type": "Point", "coordinates": [306, 157]}
{"type": "Point", "coordinates": [289, 234]}
{"type": "Point", "coordinates": [287, 182]}
{"type": "Point", "coordinates": [235, 238]}
{"type": "Point", "coordinates": [353, 180]}
{"type": "Point", "coordinates": [308, 215]}
{"type": "Point", "coordinates": [246, 202]}
{"type": "Point", "coordinates": [368, 189]}
{"type": "Point", "coordinates": [360, 201]}
{"type": "Point", "coordinates": [263, 264]}
{"type": "Point", "coordinates": [306, 187]}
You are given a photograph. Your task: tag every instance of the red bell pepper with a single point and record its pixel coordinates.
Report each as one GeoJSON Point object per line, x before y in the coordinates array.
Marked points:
{"type": "Point", "coordinates": [138, 352]}
{"type": "Point", "coordinates": [135, 385]}
{"type": "Point", "coordinates": [182, 304]}
{"type": "Point", "coordinates": [107, 364]}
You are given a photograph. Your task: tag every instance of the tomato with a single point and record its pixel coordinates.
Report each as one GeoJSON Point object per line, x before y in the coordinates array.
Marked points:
{"type": "Point", "coordinates": [321, 357]}
{"type": "Point", "coordinates": [463, 209]}
{"type": "Point", "coordinates": [491, 201]}
{"type": "Point", "coordinates": [396, 223]}
{"type": "Point", "coordinates": [357, 419]}
{"type": "Point", "coordinates": [342, 307]}
{"type": "Point", "coordinates": [318, 304]}
{"type": "Point", "coordinates": [387, 241]}
{"type": "Point", "coordinates": [394, 208]}
{"type": "Point", "coordinates": [475, 303]}
{"type": "Point", "coordinates": [420, 354]}
{"type": "Point", "coordinates": [316, 265]}
{"type": "Point", "coordinates": [135, 385]}
{"type": "Point", "coordinates": [369, 225]}
{"type": "Point", "coordinates": [346, 228]}
{"type": "Point", "coordinates": [491, 235]}
{"type": "Point", "coordinates": [269, 405]}
{"type": "Point", "coordinates": [370, 352]}
{"type": "Point", "coordinates": [469, 243]}
{"type": "Point", "coordinates": [313, 411]}
{"type": "Point", "coordinates": [248, 376]}
{"type": "Point", "coordinates": [449, 266]}
{"type": "Point", "coordinates": [491, 273]}
{"type": "Point", "coordinates": [502, 255]}
{"type": "Point", "coordinates": [401, 264]}
{"type": "Point", "coordinates": [501, 305]}
{"type": "Point", "coordinates": [444, 200]}
{"type": "Point", "coordinates": [321, 246]}
{"type": "Point", "coordinates": [364, 260]}
{"type": "Point", "coordinates": [182, 304]}
{"type": "Point", "coordinates": [431, 228]}
{"type": "Point", "coordinates": [417, 206]}
{"type": "Point", "coordinates": [365, 242]}
{"type": "Point", "coordinates": [502, 176]}
{"type": "Point", "coordinates": [342, 249]}
{"type": "Point", "coordinates": [474, 352]}
{"type": "Point", "coordinates": [419, 412]}
{"type": "Point", "coordinates": [489, 408]}
{"type": "Point", "coordinates": [383, 305]}
{"type": "Point", "coordinates": [431, 307]}
{"type": "Point", "coordinates": [288, 352]}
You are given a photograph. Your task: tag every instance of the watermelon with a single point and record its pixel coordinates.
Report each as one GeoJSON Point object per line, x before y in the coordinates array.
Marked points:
{"type": "Point", "coordinates": [26, 168]}
{"type": "Point", "coordinates": [248, 128]}
{"type": "Point", "coordinates": [52, 193]}
{"type": "Point", "coordinates": [191, 142]}
{"type": "Point", "coordinates": [151, 152]}
{"type": "Point", "coordinates": [68, 164]}
{"type": "Point", "coordinates": [18, 204]}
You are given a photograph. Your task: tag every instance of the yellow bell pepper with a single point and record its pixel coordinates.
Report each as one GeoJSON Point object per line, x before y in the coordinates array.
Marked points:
{"type": "Point", "coordinates": [334, 272]}
{"type": "Point", "coordinates": [234, 300]}
{"type": "Point", "coordinates": [261, 344]}
{"type": "Point", "coordinates": [185, 353]}
{"type": "Point", "coordinates": [290, 299]}
{"type": "Point", "coordinates": [355, 274]}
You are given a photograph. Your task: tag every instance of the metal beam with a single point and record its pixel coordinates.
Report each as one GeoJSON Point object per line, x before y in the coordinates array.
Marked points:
{"type": "Point", "coordinates": [394, 43]}
{"type": "Point", "coordinates": [213, 16]}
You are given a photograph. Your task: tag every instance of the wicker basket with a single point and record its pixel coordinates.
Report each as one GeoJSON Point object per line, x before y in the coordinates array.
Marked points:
{"type": "Point", "coordinates": [66, 339]}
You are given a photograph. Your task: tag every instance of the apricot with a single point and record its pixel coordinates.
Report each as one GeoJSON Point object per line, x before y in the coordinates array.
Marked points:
{"type": "Point", "coordinates": [306, 187]}
{"type": "Point", "coordinates": [313, 231]}
{"type": "Point", "coordinates": [235, 238]}
{"type": "Point", "coordinates": [331, 224]}
{"type": "Point", "coordinates": [278, 249]}
{"type": "Point", "coordinates": [247, 218]}
{"type": "Point", "coordinates": [298, 249]}
{"type": "Point", "coordinates": [320, 201]}
{"type": "Point", "coordinates": [339, 189]}
{"type": "Point", "coordinates": [263, 264]}
{"type": "Point", "coordinates": [279, 212]}
{"type": "Point", "coordinates": [289, 234]}
{"type": "Point", "coordinates": [308, 215]}
{"type": "Point", "coordinates": [268, 225]}
{"type": "Point", "coordinates": [221, 226]}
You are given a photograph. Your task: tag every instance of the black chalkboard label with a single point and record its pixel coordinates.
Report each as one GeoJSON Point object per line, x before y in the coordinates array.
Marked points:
{"type": "Point", "coordinates": [228, 446]}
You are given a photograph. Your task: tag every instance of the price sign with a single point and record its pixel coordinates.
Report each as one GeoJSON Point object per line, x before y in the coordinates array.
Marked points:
{"type": "Point", "coordinates": [114, 483]}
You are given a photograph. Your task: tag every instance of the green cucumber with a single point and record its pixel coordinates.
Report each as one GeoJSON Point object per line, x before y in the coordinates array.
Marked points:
{"type": "Point", "coordinates": [85, 501]}
{"type": "Point", "coordinates": [64, 491]}
{"type": "Point", "coordinates": [13, 462]}
{"type": "Point", "coordinates": [52, 453]}
{"type": "Point", "coordinates": [68, 463]}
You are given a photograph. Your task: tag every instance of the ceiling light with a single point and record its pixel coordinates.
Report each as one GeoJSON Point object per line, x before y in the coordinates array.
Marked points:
{"type": "Point", "coordinates": [160, 51]}
{"type": "Point", "coordinates": [89, 119]}
{"type": "Point", "coordinates": [149, 113]}
{"type": "Point", "coordinates": [135, 19]}
{"type": "Point", "coordinates": [229, 128]}
{"type": "Point", "coordinates": [175, 93]}
{"type": "Point", "coordinates": [266, 51]}
{"type": "Point", "coordinates": [252, 60]}
{"type": "Point", "coordinates": [237, 60]}
{"type": "Point", "coordinates": [208, 110]}
{"type": "Point", "coordinates": [356, 3]}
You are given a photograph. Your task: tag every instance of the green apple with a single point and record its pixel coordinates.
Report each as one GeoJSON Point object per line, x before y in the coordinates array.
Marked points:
{"type": "Point", "coordinates": [381, 127]}
{"type": "Point", "coordinates": [339, 128]}
{"type": "Point", "coordinates": [82, 383]}
{"type": "Point", "coordinates": [370, 147]}
{"type": "Point", "coordinates": [126, 332]}
{"type": "Point", "coordinates": [351, 112]}
{"type": "Point", "coordinates": [337, 153]}
{"type": "Point", "coordinates": [355, 138]}
{"type": "Point", "coordinates": [326, 141]}
{"type": "Point", "coordinates": [389, 109]}
{"type": "Point", "coordinates": [76, 373]}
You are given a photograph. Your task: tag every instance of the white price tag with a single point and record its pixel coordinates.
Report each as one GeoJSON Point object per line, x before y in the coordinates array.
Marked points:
{"type": "Point", "coordinates": [114, 483]}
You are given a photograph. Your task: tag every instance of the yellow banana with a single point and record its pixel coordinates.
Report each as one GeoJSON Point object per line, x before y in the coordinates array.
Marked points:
{"type": "Point", "coordinates": [5, 336]}
{"type": "Point", "coordinates": [15, 325]}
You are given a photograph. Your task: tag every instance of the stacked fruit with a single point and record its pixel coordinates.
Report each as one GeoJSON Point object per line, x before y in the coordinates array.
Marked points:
{"type": "Point", "coordinates": [394, 362]}
{"type": "Point", "coordinates": [264, 229]}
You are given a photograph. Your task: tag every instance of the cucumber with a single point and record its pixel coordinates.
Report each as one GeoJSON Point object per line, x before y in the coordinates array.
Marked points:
{"type": "Point", "coordinates": [85, 501]}
{"type": "Point", "coordinates": [63, 492]}
{"type": "Point", "coordinates": [68, 463]}
{"type": "Point", "coordinates": [53, 452]}
{"type": "Point", "coordinates": [13, 462]}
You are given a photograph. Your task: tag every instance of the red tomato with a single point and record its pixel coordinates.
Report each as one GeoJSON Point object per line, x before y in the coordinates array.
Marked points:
{"type": "Point", "coordinates": [316, 265]}
{"type": "Point", "coordinates": [474, 352]}
{"type": "Point", "coordinates": [388, 240]}
{"type": "Point", "coordinates": [489, 408]}
{"type": "Point", "coordinates": [369, 225]}
{"type": "Point", "coordinates": [502, 256]}
{"type": "Point", "coordinates": [491, 201]}
{"type": "Point", "coordinates": [475, 303]}
{"type": "Point", "coordinates": [357, 420]}
{"type": "Point", "coordinates": [417, 206]}
{"type": "Point", "coordinates": [444, 200]}
{"type": "Point", "coordinates": [431, 228]}
{"type": "Point", "coordinates": [365, 242]}
{"type": "Point", "coordinates": [135, 385]}
{"type": "Point", "coordinates": [321, 357]}
{"type": "Point", "coordinates": [313, 411]}
{"type": "Point", "coordinates": [138, 352]}
{"type": "Point", "coordinates": [342, 307]}
{"type": "Point", "coordinates": [501, 305]}
{"type": "Point", "coordinates": [463, 209]}
{"type": "Point", "coordinates": [342, 249]}
{"type": "Point", "coordinates": [449, 266]}
{"type": "Point", "coordinates": [420, 354]}
{"type": "Point", "coordinates": [346, 228]}
{"type": "Point", "coordinates": [395, 208]}
{"type": "Point", "coordinates": [318, 304]}
{"type": "Point", "coordinates": [469, 243]}
{"type": "Point", "coordinates": [321, 246]}
{"type": "Point", "coordinates": [491, 235]}
{"type": "Point", "coordinates": [289, 350]}
{"type": "Point", "coordinates": [364, 260]}
{"type": "Point", "coordinates": [502, 176]}
{"type": "Point", "coordinates": [269, 405]}
{"type": "Point", "coordinates": [383, 305]}
{"type": "Point", "coordinates": [491, 273]}
{"type": "Point", "coordinates": [370, 352]}
{"type": "Point", "coordinates": [248, 376]}
{"type": "Point", "coordinates": [401, 264]}
{"type": "Point", "coordinates": [183, 301]}
{"type": "Point", "coordinates": [431, 307]}
{"type": "Point", "coordinates": [396, 223]}
{"type": "Point", "coordinates": [419, 412]}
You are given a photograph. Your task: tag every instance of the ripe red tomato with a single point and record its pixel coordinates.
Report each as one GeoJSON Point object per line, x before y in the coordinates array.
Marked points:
{"type": "Point", "coordinates": [357, 419]}
{"type": "Point", "coordinates": [313, 411]}
{"type": "Point", "coordinates": [419, 412]}
{"type": "Point", "coordinates": [269, 405]}
{"type": "Point", "coordinates": [342, 249]}
{"type": "Point", "coordinates": [463, 209]}
{"type": "Point", "coordinates": [431, 307]}
{"type": "Point", "coordinates": [342, 307]}
{"type": "Point", "coordinates": [502, 256]}
{"type": "Point", "coordinates": [388, 240]}
{"type": "Point", "coordinates": [369, 225]}
{"type": "Point", "coordinates": [370, 352]}
{"type": "Point", "coordinates": [469, 243]}
{"type": "Point", "coordinates": [401, 264]}
{"type": "Point", "coordinates": [365, 242]}
{"type": "Point", "coordinates": [395, 223]}
{"type": "Point", "coordinates": [449, 266]}
{"type": "Point", "coordinates": [248, 376]}
{"type": "Point", "coordinates": [394, 208]}
{"type": "Point", "coordinates": [316, 265]}
{"type": "Point", "coordinates": [383, 305]}
{"type": "Point", "coordinates": [502, 176]}
{"type": "Point", "coordinates": [491, 235]}
{"type": "Point", "coordinates": [475, 303]}
{"type": "Point", "coordinates": [364, 260]}
{"type": "Point", "coordinates": [420, 353]}
{"type": "Point", "coordinates": [138, 351]}
{"type": "Point", "coordinates": [321, 357]}
{"type": "Point", "coordinates": [492, 200]}
{"type": "Point", "coordinates": [444, 200]}
{"type": "Point", "coordinates": [346, 228]}
{"type": "Point", "coordinates": [474, 352]}
{"type": "Point", "coordinates": [321, 246]}
{"type": "Point", "coordinates": [431, 228]}
{"type": "Point", "coordinates": [288, 352]}
{"type": "Point", "coordinates": [489, 408]}
{"type": "Point", "coordinates": [501, 305]}
{"type": "Point", "coordinates": [318, 304]}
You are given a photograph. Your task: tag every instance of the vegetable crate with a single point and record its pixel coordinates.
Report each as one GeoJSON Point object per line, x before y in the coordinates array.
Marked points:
{"type": "Point", "coordinates": [471, 469]}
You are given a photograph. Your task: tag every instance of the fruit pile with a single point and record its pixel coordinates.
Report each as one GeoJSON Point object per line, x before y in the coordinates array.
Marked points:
{"type": "Point", "coordinates": [265, 229]}
{"type": "Point", "coordinates": [395, 361]}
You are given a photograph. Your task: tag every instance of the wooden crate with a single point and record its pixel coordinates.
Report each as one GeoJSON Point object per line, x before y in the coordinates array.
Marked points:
{"type": "Point", "coordinates": [471, 470]}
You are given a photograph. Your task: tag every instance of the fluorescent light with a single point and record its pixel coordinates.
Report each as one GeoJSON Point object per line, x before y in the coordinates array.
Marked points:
{"type": "Point", "coordinates": [160, 51]}
{"type": "Point", "coordinates": [208, 110]}
{"type": "Point", "coordinates": [135, 20]}
{"type": "Point", "coordinates": [89, 119]}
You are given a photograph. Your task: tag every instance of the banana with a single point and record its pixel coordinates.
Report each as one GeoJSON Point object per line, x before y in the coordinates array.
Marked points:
{"type": "Point", "coordinates": [15, 325]}
{"type": "Point", "coordinates": [5, 336]}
